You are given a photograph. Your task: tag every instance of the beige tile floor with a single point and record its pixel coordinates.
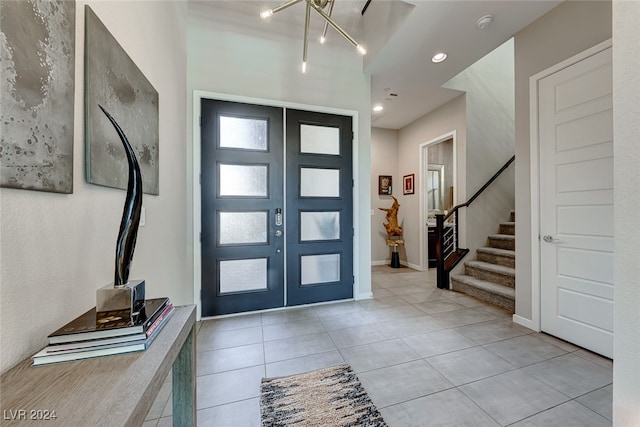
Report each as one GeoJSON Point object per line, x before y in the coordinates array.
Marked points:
{"type": "Point", "coordinates": [427, 357]}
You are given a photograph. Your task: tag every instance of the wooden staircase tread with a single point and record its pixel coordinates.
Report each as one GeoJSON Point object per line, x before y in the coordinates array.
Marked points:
{"type": "Point", "coordinates": [494, 268]}
{"type": "Point", "coordinates": [496, 251]}
{"type": "Point", "coordinates": [486, 286]}
{"type": "Point", "coordinates": [454, 258]}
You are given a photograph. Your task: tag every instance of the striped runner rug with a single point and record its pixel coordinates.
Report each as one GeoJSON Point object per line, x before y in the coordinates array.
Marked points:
{"type": "Point", "coordinates": [330, 397]}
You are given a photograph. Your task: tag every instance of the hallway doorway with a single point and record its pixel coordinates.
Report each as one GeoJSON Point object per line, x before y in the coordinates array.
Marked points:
{"type": "Point", "coordinates": [438, 178]}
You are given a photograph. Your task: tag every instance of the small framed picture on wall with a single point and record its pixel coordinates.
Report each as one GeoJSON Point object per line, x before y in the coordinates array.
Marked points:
{"type": "Point", "coordinates": [384, 184]}
{"type": "Point", "coordinates": [407, 184]}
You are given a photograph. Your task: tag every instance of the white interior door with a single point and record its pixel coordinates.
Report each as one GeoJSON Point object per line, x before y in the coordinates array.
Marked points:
{"type": "Point", "coordinates": [576, 203]}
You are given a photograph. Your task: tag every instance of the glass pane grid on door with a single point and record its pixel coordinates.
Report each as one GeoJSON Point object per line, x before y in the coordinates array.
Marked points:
{"type": "Point", "coordinates": [319, 140]}
{"type": "Point", "coordinates": [319, 269]}
{"type": "Point", "coordinates": [243, 180]}
{"type": "Point", "coordinates": [243, 133]}
{"type": "Point", "coordinates": [242, 275]}
{"type": "Point", "coordinates": [319, 182]}
{"type": "Point", "coordinates": [319, 225]}
{"type": "Point", "coordinates": [242, 228]}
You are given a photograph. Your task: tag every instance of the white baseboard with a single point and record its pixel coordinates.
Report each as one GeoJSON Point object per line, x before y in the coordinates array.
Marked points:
{"type": "Point", "coordinates": [364, 296]}
{"type": "Point", "coordinates": [527, 323]}
{"type": "Point", "coordinates": [412, 265]}
{"type": "Point", "coordinates": [405, 263]}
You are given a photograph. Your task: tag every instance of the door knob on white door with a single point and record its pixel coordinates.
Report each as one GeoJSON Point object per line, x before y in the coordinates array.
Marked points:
{"type": "Point", "coordinates": [547, 238]}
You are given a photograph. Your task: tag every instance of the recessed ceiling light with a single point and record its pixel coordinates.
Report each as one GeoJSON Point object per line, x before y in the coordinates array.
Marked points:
{"type": "Point", "coordinates": [378, 108]}
{"type": "Point", "coordinates": [439, 57]}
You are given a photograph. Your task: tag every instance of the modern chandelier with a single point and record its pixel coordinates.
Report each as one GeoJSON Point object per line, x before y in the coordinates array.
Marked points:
{"type": "Point", "coordinates": [318, 6]}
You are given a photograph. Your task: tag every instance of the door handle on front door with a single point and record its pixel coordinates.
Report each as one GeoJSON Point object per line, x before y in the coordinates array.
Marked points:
{"type": "Point", "coordinates": [278, 218]}
{"type": "Point", "coordinates": [278, 233]}
{"type": "Point", "coordinates": [547, 238]}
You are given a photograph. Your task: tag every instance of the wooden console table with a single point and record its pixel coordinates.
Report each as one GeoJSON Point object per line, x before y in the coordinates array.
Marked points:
{"type": "Point", "coordinates": [107, 391]}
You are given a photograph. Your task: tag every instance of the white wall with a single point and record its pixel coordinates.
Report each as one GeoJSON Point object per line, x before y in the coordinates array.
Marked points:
{"type": "Point", "coordinates": [489, 85]}
{"type": "Point", "coordinates": [226, 56]}
{"type": "Point", "coordinates": [485, 141]}
{"type": "Point", "coordinates": [58, 249]}
{"type": "Point", "coordinates": [626, 119]}
{"type": "Point", "coordinates": [384, 161]}
{"type": "Point", "coordinates": [449, 117]}
{"type": "Point", "coordinates": [566, 30]}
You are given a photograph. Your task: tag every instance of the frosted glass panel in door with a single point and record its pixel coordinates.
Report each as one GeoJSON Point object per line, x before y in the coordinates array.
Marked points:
{"type": "Point", "coordinates": [319, 226]}
{"type": "Point", "coordinates": [238, 132]}
{"type": "Point", "coordinates": [316, 182]}
{"type": "Point", "coordinates": [319, 140]}
{"type": "Point", "coordinates": [243, 275]}
{"type": "Point", "coordinates": [237, 228]}
{"type": "Point", "coordinates": [243, 180]}
{"type": "Point", "coordinates": [316, 269]}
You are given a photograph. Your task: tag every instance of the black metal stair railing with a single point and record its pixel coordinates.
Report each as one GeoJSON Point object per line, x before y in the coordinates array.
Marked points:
{"type": "Point", "coordinates": [448, 252]}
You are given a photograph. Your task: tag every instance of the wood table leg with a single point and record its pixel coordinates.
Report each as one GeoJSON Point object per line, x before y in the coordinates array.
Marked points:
{"type": "Point", "coordinates": [184, 383]}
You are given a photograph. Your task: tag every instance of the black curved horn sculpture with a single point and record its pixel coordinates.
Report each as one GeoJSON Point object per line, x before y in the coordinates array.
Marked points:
{"type": "Point", "coordinates": [131, 215]}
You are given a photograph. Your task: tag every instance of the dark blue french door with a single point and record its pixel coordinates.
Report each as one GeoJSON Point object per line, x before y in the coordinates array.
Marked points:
{"type": "Point", "coordinates": [248, 225]}
{"type": "Point", "coordinates": [319, 207]}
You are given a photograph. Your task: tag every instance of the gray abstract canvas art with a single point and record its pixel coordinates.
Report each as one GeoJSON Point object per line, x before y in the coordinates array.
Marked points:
{"type": "Point", "coordinates": [37, 58]}
{"type": "Point", "coordinates": [114, 81]}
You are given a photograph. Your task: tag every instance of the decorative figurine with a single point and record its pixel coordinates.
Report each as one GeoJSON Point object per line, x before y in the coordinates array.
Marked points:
{"type": "Point", "coordinates": [131, 214]}
{"type": "Point", "coordinates": [125, 295]}
{"type": "Point", "coordinates": [392, 227]}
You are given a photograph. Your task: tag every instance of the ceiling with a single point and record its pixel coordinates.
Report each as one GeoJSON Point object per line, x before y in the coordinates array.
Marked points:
{"type": "Point", "coordinates": [401, 37]}
{"type": "Point", "coordinates": [404, 65]}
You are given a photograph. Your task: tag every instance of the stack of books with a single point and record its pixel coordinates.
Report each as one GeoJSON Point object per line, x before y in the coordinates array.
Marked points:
{"type": "Point", "coordinates": [95, 334]}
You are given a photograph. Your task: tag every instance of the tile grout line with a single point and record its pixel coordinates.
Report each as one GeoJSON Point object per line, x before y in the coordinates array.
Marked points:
{"type": "Point", "coordinates": [477, 405]}
{"type": "Point", "coordinates": [590, 409]}
{"type": "Point", "coordinates": [496, 318]}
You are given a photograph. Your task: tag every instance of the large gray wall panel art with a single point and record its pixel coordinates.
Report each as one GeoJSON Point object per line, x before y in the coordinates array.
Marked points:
{"type": "Point", "coordinates": [114, 81]}
{"type": "Point", "coordinates": [37, 58]}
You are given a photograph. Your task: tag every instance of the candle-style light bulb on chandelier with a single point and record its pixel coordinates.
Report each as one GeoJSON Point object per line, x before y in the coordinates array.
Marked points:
{"type": "Point", "coordinates": [318, 6]}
